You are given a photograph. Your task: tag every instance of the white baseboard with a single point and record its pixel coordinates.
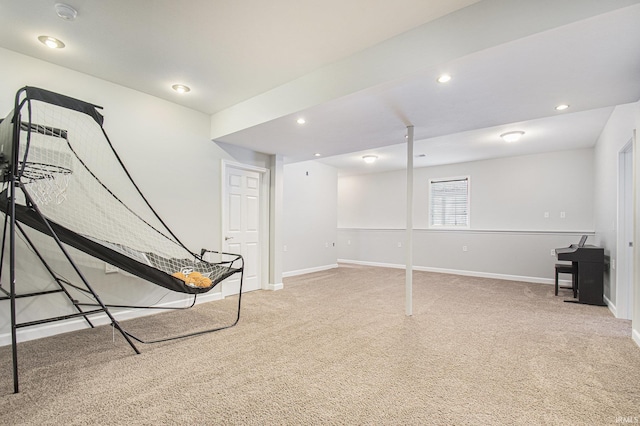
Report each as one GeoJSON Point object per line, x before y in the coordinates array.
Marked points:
{"type": "Point", "coordinates": [366, 263]}
{"type": "Point", "coordinates": [611, 306]}
{"type": "Point", "coordinates": [209, 297]}
{"type": "Point", "coordinates": [51, 329]}
{"type": "Point", "coordinates": [275, 287]}
{"type": "Point", "coordinates": [537, 280]}
{"type": "Point", "coordinates": [309, 270]}
{"type": "Point", "coordinates": [635, 335]}
{"type": "Point", "coordinates": [46, 330]}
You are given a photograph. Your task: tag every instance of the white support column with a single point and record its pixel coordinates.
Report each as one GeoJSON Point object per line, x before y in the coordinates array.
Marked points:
{"type": "Point", "coordinates": [275, 223]}
{"type": "Point", "coordinates": [409, 242]}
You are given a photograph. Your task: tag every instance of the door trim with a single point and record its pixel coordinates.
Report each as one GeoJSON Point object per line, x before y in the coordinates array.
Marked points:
{"type": "Point", "coordinates": [264, 212]}
{"type": "Point", "coordinates": [624, 264]}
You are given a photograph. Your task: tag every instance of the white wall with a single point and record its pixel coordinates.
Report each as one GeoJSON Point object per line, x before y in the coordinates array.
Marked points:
{"type": "Point", "coordinates": [616, 134]}
{"type": "Point", "coordinates": [506, 194]}
{"type": "Point", "coordinates": [310, 217]}
{"type": "Point", "coordinates": [509, 235]}
{"type": "Point", "coordinates": [167, 150]}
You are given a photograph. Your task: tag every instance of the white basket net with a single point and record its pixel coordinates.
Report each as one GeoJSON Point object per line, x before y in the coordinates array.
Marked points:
{"type": "Point", "coordinates": [70, 170]}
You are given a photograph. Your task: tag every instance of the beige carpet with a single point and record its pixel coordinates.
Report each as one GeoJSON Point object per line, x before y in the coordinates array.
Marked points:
{"type": "Point", "coordinates": [336, 348]}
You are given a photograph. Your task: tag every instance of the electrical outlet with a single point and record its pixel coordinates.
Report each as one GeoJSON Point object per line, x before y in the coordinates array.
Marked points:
{"type": "Point", "coordinates": [110, 269]}
{"type": "Point", "coordinates": [284, 248]}
{"type": "Point", "coordinates": [613, 264]}
{"type": "Point", "coordinates": [546, 215]}
{"type": "Point", "coordinates": [326, 245]}
{"type": "Point", "coordinates": [465, 248]}
{"type": "Point", "coordinates": [563, 215]}
{"type": "Point", "coordinates": [399, 245]}
{"type": "Point", "coordinates": [553, 252]}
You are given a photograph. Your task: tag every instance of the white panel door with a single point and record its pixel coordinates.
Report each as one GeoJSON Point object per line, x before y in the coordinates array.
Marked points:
{"type": "Point", "coordinates": [241, 228]}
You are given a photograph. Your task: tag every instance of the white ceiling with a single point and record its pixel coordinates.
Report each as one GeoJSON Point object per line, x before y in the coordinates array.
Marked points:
{"type": "Point", "coordinates": [360, 71]}
{"type": "Point", "coordinates": [561, 132]}
{"type": "Point", "coordinates": [225, 50]}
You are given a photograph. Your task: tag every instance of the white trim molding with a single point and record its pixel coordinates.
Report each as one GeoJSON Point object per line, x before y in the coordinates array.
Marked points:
{"type": "Point", "coordinates": [309, 270]}
{"type": "Point", "coordinates": [505, 277]}
{"type": "Point", "coordinates": [635, 335]}
{"type": "Point", "coordinates": [275, 287]}
{"type": "Point", "coordinates": [610, 305]}
{"type": "Point", "coordinates": [479, 231]}
{"type": "Point", "coordinates": [52, 329]}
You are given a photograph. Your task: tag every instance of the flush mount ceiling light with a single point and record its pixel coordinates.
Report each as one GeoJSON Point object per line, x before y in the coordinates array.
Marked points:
{"type": "Point", "coordinates": [65, 11]}
{"type": "Point", "coordinates": [562, 107]}
{"type": "Point", "coordinates": [301, 120]}
{"type": "Point", "coordinates": [317, 154]}
{"type": "Point", "coordinates": [370, 158]}
{"type": "Point", "coordinates": [51, 42]}
{"type": "Point", "coordinates": [512, 136]}
{"type": "Point", "coordinates": [181, 88]}
{"type": "Point", "coordinates": [444, 78]}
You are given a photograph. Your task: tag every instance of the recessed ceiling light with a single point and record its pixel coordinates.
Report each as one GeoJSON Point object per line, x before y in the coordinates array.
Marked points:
{"type": "Point", "coordinates": [65, 11]}
{"type": "Point", "coordinates": [51, 42]}
{"type": "Point", "coordinates": [301, 120]}
{"type": "Point", "coordinates": [444, 78]}
{"type": "Point", "coordinates": [512, 136]}
{"type": "Point", "coordinates": [370, 158]}
{"type": "Point", "coordinates": [562, 107]}
{"type": "Point", "coordinates": [317, 154]}
{"type": "Point", "coordinates": [181, 88]}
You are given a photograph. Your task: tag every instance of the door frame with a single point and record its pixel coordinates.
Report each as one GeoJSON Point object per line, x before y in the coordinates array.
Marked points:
{"type": "Point", "coordinates": [263, 235]}
{"type": "Point", "coordinates": [625, 262]}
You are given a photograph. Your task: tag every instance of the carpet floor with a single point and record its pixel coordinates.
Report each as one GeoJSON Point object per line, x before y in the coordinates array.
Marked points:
{"type": "Point", "coordinates": [335, 347]}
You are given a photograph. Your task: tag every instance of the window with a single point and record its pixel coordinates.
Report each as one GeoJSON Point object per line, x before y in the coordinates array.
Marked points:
{"type": "Point", "coordinates": [449, 203]}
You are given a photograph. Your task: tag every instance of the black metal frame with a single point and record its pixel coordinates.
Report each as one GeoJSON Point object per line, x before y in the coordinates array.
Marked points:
{"type": "Point", "coordinates": [12, 176]}
{"type": "Point", "coordinates": [193, 302]}
{"type": "Point", "coordinates": [197, 333]}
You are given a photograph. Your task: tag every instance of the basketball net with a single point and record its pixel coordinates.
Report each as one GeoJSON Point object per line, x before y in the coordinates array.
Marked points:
{"type": "Point", "coordinates": [47, 183]}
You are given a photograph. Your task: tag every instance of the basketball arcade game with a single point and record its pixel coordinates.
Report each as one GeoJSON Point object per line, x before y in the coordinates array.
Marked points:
{"type": "Point", "coordinates": [62, 177]}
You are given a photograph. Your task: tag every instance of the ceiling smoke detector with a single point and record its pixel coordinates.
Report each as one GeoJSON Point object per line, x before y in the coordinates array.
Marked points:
{"type": "Point", "coordinates": [65, 11]}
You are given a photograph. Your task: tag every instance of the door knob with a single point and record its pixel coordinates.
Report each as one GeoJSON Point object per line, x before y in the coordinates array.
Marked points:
{"type": "Point", "coordinates": [228, 238]}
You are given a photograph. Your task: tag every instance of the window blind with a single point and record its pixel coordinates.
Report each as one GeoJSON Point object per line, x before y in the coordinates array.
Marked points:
{"type": "Point", "coordinates": [449, 202]}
